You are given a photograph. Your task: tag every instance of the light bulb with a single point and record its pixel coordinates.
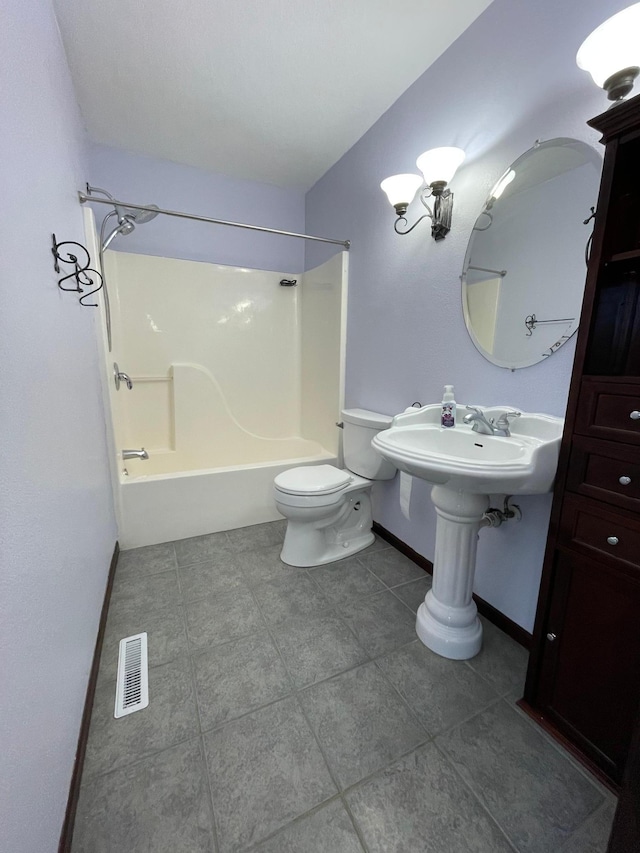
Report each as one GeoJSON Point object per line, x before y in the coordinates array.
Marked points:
{"type": "Point", "coordinates": [401, 189]}
{"type": "Point", "coordinates": [502, 184]}
{"type": "Point", "coordinates": [611, 54]}
{"type": "Point", "coordinates": [438, 165]}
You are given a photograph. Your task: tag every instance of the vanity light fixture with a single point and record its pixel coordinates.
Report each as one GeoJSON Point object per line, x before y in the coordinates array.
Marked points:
{"type": "Point", "coordinates": [438, 166]}
{"type": "Point", "coordinates": [611, 54]}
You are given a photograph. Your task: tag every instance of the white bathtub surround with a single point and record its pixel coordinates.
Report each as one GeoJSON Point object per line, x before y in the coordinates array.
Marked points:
{"type": "Point", "coordinates": [235, 379]}
{"type": "Point", "coordinates": [447, 620]}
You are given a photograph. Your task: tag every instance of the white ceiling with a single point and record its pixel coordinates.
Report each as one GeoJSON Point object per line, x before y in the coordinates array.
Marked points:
{"type": "Point", "coordinates": [270, 90]}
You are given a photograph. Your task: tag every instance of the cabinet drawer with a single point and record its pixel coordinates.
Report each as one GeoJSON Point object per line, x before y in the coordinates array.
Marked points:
{"type": "Point", "coordinates": [605, 471]}
{"type": "Point", "coordinates": [605, 411]}
{"type": "Point", "coordinates": [599, 530]}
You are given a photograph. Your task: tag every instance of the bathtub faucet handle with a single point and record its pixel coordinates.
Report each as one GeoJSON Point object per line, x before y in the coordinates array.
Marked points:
{"type": "Point", "coordinates": [119, 376]}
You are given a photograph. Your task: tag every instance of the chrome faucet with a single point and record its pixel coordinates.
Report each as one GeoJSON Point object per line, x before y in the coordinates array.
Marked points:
{"type": "Point", "coordinates": [135, 454]}
{"type": "Point", "coordinates": [502, 424]}
{"type": "Point", "coordinates": [480, 424]}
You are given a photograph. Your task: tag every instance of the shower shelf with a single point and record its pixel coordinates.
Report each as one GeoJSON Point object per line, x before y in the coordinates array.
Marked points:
{"type": "Point", "coordinates": [84, 284]}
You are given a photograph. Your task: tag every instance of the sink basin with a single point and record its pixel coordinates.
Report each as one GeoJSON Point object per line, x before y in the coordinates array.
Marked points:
{"type": "Point", "coordinates": [461, 459]}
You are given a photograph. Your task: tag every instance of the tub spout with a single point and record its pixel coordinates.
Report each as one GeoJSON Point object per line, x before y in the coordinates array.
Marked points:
{"type": "Point", "coordinates": [135, 454]}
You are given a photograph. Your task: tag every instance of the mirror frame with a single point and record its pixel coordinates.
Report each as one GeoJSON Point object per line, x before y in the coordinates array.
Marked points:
{"type": "Point", "coordinates": [573, 328]}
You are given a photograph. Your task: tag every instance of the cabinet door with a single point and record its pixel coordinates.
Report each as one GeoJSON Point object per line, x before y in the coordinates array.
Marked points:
{"type": "Point", "coordinates": [590, 684]}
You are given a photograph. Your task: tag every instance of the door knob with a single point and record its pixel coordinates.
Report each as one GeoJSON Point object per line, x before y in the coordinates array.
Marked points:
{"type": "Point", "coordinates": [612, 540]}
{"type": "Point", "coordinates": [635, 415]}
{"type": "Point", "coordinates": [551, 637]}
{"type": "Point", "coordinates": [624, 481]}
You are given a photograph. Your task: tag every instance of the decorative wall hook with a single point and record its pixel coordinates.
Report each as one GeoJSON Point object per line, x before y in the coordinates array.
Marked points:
{"type": "Point", "coordinates": [79, 275]}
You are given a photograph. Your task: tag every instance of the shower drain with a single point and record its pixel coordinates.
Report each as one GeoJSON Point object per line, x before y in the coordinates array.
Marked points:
{"type": "Point", "coordinates": [132, 686]}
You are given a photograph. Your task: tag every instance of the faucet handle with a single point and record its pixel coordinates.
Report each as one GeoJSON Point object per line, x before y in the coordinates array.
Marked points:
{"type": "Point", "coordinates": [475, 409]}
{"type": "Point", "coordinates": [503, 420]}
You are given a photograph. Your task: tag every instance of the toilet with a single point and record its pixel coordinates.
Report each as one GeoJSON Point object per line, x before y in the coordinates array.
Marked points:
{"type": "Point", "coordinates": [329, 509]}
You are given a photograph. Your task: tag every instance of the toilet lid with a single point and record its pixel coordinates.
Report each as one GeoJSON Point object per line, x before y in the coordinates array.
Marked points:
{"type": "Point", "coordinates": [312, 480]}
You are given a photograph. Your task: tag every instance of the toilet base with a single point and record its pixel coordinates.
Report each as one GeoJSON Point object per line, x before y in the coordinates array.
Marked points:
{"type": "Point", "coordinates": [292, 555]}
{"type": "Point", "coordinates": [344, 530]}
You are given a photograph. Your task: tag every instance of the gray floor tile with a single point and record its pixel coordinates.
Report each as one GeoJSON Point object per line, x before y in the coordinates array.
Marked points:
{"type": "Point", "coordinates": [441, 692]}
{"type": "Point", "coordinates": [147, 591]}
{"type": "Point", "coordinates": [169, 719]}
{"type": "Point", "coordinates": [419, 805]}
{"type": "Point", "coordinates": [512, 700]}
{"type": "Point", "coordinates": [347, 580]}
{"type": "Point", "coordinates": [502, 661]}
{"type": "Point", "coordinates": [593, 835]}
{"type": "Point", "coordinates": [290, 597]}
{"type": "Point", "coordinates": [316, 647]}
{"type": "Point", "coordinates": [378, 545]}
{"type": "Point", "coordinates": [265, 770]}
{"type": "Point", "coordinates": [159, 805]}
{"type": "Point", "coordinates": [392, 567]}
{"type": "Point", "coordinates": [329, 830]}
{"type": "Point", "coordinates": [533, 792]}
{"type": "Point", "coordinates": [202, 579]}
{"type": "Point", "coordinates": [165, 626]}
{"type": "Point", "coordinates": [238, 677]}
{"type": "Point", "coordinates": [361, 723]}
{"type": "Point", "coordinates": [149, 560]}
{"type": "Point", "coordinates": [412, 594]}
{"type": "Point", "coordinates": [257, 536]}
{"type": "Point", "coordinates": [264, 565]}
{"type": "Point", "coordinates": [200, 549]}
{"type": "Point", "coordinates": [380, 622]}
{"type": "Point", "coordinates": [220, 618]}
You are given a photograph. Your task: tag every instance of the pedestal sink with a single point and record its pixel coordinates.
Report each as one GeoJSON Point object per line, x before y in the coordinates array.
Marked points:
{"type": "Point", "coordinates": [465, 467]}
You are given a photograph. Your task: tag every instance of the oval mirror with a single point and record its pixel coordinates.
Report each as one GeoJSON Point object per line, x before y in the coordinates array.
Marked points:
{"type": "Point", "coordinates": [524, 270]}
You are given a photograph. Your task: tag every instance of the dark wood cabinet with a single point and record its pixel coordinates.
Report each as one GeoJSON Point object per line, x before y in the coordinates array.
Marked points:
{"type": "Point", "coordinates": [584, 671]}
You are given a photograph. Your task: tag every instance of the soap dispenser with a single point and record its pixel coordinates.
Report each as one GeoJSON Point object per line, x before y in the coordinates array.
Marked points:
{"type": "Point", "coordinates": [448, 417]}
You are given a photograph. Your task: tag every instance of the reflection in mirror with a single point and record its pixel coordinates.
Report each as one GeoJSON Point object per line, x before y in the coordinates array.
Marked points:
{"type": "Point", "coordinates": [524, 271]}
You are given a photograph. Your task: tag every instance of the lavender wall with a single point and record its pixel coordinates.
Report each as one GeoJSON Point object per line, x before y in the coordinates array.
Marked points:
{"type": "Point", "coordinates": [509, 79]}
{"type": "Point", "coordinates": [58, 529]}
{"type": "Point", "coordinates": [135, 178]}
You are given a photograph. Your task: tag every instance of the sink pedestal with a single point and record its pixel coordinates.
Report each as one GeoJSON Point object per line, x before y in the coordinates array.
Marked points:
{"type": "Point", "coordinates": [447, 620]}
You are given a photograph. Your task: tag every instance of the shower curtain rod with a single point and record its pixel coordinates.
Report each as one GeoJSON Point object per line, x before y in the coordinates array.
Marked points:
{"type": "Point", "coordinates": [84, 198]}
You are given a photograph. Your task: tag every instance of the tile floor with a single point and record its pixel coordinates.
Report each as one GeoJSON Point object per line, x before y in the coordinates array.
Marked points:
{"type": "Point", "coordinates": [294, 711]}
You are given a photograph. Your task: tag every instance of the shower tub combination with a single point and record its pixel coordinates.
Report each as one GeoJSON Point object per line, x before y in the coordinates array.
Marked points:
{"type": "Point", "coordinates": [235, 379]}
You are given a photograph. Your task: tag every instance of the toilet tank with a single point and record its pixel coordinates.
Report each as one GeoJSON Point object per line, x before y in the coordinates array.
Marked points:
{"type": "Point", "coordinates": [360, 426]}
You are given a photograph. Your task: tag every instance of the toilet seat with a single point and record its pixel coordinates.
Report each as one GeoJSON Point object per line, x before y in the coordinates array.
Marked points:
{"type": "Point", "coordinates": [313, 480]}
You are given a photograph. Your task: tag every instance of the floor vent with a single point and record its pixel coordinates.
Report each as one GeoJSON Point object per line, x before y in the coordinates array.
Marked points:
{"type": "Point", "coordinates": [132, 688]}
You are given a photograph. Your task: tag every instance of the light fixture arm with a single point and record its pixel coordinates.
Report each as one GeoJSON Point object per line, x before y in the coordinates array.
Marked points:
{"type": "Point", "coordinates": [440, 215]}
{"type": "Point", "coordinates": [404, 219]}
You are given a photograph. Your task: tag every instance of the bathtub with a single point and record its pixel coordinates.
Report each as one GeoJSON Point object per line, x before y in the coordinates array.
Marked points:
{"type": "Point", "coordinates": [155, 508]}
{"type": "Point", "coordinates": [235, 379]}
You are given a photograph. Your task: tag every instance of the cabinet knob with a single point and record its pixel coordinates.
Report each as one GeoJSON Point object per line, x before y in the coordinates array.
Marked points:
{"type": "Point", "coordinates": [612, 540]}
{"type": "Point", "coordinates": [551, 637]}
{"type": "Point", "coordinates": [635, 415]}
{"type": "Point", "coordinates": [624, 481]}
